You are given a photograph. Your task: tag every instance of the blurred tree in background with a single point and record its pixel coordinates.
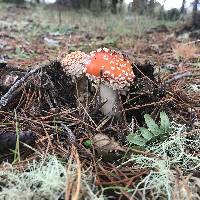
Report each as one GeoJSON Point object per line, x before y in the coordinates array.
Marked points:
{"type": "Point", "coordinates": [196, 15]}
{"type": "Point", "coordinates": [141, 7]}
{"type": "Point", "coordinates": [183, 10]}
{"type": "Point", "coordinates": [151, 7]}
{"type": "Point", "coordinates": [14, 1]}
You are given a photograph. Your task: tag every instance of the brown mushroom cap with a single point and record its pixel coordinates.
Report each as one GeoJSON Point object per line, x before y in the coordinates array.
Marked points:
{"type": "Point", "coordinates": [112, 67]}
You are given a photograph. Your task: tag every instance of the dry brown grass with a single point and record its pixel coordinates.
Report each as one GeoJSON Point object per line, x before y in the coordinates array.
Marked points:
{"type": "Point", "coordinates": [184, 51]}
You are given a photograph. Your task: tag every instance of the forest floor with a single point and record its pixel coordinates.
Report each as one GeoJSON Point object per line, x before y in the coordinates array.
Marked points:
{"type": "Point", "coordinates": [78, 153]}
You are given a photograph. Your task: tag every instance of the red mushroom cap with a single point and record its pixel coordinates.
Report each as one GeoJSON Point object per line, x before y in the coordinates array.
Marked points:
{"type": "Point", "coordinates": [112, 67]}
{"type": "Point", "coordinates": [74, 63]}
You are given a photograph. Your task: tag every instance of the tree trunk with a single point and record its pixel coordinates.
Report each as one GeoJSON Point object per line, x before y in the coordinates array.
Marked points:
{"type": "Point", "coordinates": [161, 15]}
{"type": "Point", "coordinates": [101, 5]}
{"type": "Point", "coordinates": [66, 3]}
{"type": "Point", "coordinates": [140, 6]}
{"type": "Point", "coordinates": [195, 15]}
{"type": "Point", "coordinates": [76, 4]}
{"type": "Point", "coordinates": [120, 6]}
{"type": "Point", "coordinates": [89, 4]}
{"type": "Point", "coordinates": [151, 7]}
{"type": "Point", "coordinates": [183, 10]}
{"type": "Point", "coordinates": [114, 6]}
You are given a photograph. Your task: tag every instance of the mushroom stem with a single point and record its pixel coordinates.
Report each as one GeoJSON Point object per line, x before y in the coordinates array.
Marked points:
{"type": "Point", "coordinates": [111, 99]}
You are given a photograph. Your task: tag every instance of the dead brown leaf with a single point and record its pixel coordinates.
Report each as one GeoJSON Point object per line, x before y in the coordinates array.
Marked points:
{"type": "Point", "coordinates": [104, 144]}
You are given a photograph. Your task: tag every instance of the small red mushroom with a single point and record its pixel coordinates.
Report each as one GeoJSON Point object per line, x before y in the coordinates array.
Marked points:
{"type": "Point", "coordinates": [114, 71]}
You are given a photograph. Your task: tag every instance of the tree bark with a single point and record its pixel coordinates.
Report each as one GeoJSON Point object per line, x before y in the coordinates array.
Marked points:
{"type": "Point", "coordinates": [195, 15]}
{"type": "Point", "coordinates": [183, 10]}
{"type": "Point", "coordinates": [151, 7]}
{"type": "Point", "coordinates": [76, 4]}
{"type": "Point", "coordinates": [89, 4]}
{"type": "Point", "coordinates": [114, 6]}
{"type": "Point", "coordinates": [140, 6]}
{"type": "Point", "coordinates": [161, 15]}
{"type": "Point", "coordinates": [101, 5]}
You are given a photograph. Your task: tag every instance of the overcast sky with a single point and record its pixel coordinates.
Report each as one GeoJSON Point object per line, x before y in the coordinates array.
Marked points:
{"type": "Point", "coordinates": [170, 3]}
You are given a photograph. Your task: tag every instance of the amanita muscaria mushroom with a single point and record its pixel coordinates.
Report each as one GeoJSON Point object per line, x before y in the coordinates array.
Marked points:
{"type": "Point", "coordinates": [115, 74]}
{"type": "Point", "coordinates": [74, 63]}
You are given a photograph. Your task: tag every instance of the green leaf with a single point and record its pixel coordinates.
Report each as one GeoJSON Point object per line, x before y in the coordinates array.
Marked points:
{"type": "Point", "coordinates": [130, 137]}
{"type": "Point", "coordinates": [151, 124]}
{"type": "Point", "coordinates": [88, 143]}
{"type": "Point", "coordinates": [136, 139]}
{"type": "Point", "coordinates": [146, 133]}
{"type": "Point", "coordinates": [164, 122]}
